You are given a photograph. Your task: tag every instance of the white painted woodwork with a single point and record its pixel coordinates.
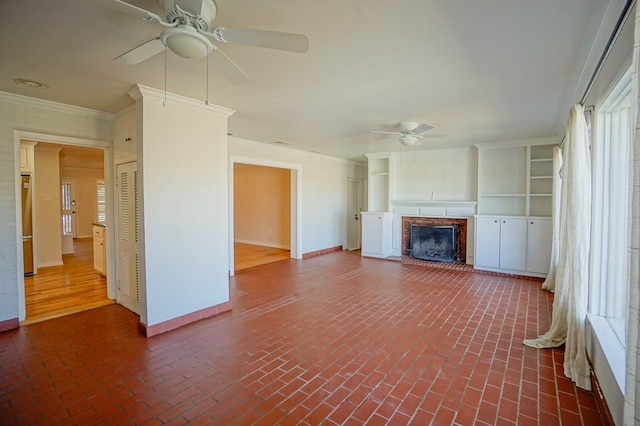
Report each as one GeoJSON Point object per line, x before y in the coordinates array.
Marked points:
{"type": "Point", "coordinates": [378, 194]}
{"type": "Point", "coordinates": [26, 157]}
{"type": "Point", "coordinates": [539, 236]}
{"type": "Point", "coordinates": [127, 232]}
{"type": "Point", "coordinates": [516, 180]}
{"type": "Point", "coordinates": [487, 247]}
{"type": "Point", "coordinates": [513, 244]}
{"type": "Point", "coordinates": [516, 245]}
{"type": "Point", "coordinates": [99, 250]}
{"type": "Point", "coordinates": [376, 234]}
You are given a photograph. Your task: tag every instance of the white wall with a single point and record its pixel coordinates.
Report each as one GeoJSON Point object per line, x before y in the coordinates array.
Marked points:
{"type": "Point", "coordinates": [27, 114]}
{"type": "Point", "coordinates": [183, 166]}
{"type": "Point", "coordinates": [323, 189]}
{"type": "Point", "coordinates": [262, 205]}
{"type": "Point", "coordinates": [438, 174]}
{"type": "Point", "coordinates": [47, 205]}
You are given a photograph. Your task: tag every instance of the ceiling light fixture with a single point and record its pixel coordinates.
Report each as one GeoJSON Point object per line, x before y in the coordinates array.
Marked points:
{"type": "Point", "coordinates": [186, 42]}
{"type": "Point", "coordinates": [32, 84]}
{"type": "Point", "coordinates": [409, 140]}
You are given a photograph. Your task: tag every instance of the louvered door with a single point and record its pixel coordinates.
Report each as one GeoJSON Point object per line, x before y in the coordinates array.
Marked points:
{"type": "Point", "coordinates": [127, 264]}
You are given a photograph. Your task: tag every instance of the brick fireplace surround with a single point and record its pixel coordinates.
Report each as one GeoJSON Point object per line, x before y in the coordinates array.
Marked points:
{"type": "Point", "coordinates": [461, 224]}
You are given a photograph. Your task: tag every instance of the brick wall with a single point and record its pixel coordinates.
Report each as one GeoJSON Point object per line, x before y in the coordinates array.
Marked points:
{"type": "Point", "coordinates": [460, 224]}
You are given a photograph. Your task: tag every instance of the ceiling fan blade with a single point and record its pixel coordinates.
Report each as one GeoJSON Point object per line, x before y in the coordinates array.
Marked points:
{"type": "Point", "coordinates": [262, 38]}
{"type": "Point", "coordinates": [141, 53]}
{"type": "Point", "coordinates": [422, 128]}
{"type": "Point", "coordinates": [385, 133]}
{"type": "Point", "coordinates": [130, 9]}
{"type": "Point", "coordinates": [227, 67]}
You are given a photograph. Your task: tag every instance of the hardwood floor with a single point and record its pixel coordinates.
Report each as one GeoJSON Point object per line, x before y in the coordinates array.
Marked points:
{"type": "Point", "coordinates": [61, 290]}
{"type": "Point", "coordinates": [248, 255]}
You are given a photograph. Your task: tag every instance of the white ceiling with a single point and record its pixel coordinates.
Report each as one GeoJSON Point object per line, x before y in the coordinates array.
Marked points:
{"type": "Point", "coordinates": [478, 71]}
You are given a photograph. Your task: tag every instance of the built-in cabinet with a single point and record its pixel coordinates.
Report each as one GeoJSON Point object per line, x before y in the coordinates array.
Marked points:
{"type": "Point", "coordinates": [125, 143]}
{"type": "Point", "coordinates": [513, 227]}
{"type": "Point", "coordinates": [540, 172]}
{"type": "Point", "coordinates": [378, 179]}
{"type": "Point", "coordinates": [539, 237]}
{"type": "Point", "coordinates": [26, 157]}
{"type": "Point", "coordinates": [519, 245]}
{"type": "Point", "coordinates": [376, 234]}
{"type": "Point", "coordinates": [99, 250]}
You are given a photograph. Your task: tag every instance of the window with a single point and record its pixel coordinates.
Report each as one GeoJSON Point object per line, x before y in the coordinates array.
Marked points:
{"type": "Point", "coordinates": [101, 202]}
{"type": "Point", "coordinates": [610, 214]}
{"type": "Point", "coordinates": [67, 205]}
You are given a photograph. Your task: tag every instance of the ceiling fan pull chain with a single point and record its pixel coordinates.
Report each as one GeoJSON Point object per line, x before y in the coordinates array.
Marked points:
{"type": "Point", "coordinates": [206, 102]}
{"type": "Point", "coordinates": [164, 103]}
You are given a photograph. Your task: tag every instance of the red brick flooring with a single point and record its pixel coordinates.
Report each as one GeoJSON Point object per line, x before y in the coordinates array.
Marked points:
{"type": "Point", "coordinates": [336, 339]}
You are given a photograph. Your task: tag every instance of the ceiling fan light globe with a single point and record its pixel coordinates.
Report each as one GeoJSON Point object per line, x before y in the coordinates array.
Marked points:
{"type": "Point", "coordinates": [186, 42]}
{"type": "Point", "coordinates": [409, 140]}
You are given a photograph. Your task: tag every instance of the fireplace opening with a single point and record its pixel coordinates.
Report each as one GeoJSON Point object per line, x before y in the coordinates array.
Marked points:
{"type": "Point", "coordinates": [433, 242]}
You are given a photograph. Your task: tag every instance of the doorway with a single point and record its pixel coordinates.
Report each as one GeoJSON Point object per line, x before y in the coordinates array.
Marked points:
{"type": "Point", "coordinates": [69, 202]}
{"type": "Point", "coordinates": [69, 284]}
{"type": "Point", "coordinates": [354, 208]}
{"type": "Point", "coordinates": [264, 212]}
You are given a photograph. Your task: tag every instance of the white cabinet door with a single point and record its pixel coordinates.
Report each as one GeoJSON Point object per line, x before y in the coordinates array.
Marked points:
{"type": "Point", "coordinates": [539, 245]}
{"type": "Point", "coordinates": [487, 249]}
{"type": "Point", "coordinates": [376, 228]}
{"type": "Point", "coordinates": [513, 243]}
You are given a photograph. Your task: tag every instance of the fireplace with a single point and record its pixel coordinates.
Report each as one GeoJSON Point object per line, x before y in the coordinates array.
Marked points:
{"type": "Point", "coordinates": [459, 227]}
{"type": "Point", "coordinates": [433, 242]}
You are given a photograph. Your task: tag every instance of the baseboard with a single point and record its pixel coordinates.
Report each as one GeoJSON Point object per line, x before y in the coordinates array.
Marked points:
{"type": "Point", "coordinates": [48, 264]}
{"type": "Point", "coordinates": [321, 252]}
{"type": "Point", "coordinates": [10, 324]}
{"type": "Point", "coordinates": [263, 244]}
{"type": "Point", "coordinates": [172, 324]}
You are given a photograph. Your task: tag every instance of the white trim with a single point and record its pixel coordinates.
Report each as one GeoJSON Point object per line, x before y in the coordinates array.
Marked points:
{"type": "Point", "coordinates": [614, 351]}
{"type": "Point", "coordinates": [140, 91]}
{"type": "Point", "coordinates": [54, 106]}
{"type": "Point", "coordinates": [517, 143]}
{"type": "Point", "coordinates": [264, 244]}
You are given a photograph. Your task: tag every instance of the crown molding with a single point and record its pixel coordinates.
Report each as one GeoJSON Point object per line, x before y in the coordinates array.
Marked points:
{"type": "Point", "coordinates": [549, 140]}
{"type": "Point", "coordinates": [139, 91]}
{"type": "Point", "coordinates": [27, 101]}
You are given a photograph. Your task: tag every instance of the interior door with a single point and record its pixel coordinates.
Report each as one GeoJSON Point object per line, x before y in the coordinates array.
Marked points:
{"type": "Point", "coordinates": [69, 226]}
{"type": "Point", "coordinates": [127, 259]}
{"type": "Point", "coordinates": [354, 204]}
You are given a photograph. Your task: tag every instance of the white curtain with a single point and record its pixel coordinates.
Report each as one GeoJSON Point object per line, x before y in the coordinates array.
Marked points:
{"type": "Point", "coordinates": [572, 277]}
{"type": "Point", "coordinates": [632, 391]}
{"type": "Point", "coordinates": [550, 282]}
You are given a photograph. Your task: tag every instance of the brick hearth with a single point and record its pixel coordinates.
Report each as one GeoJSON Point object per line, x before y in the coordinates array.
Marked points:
{"type": "Point", "coordinates": [461, 225]}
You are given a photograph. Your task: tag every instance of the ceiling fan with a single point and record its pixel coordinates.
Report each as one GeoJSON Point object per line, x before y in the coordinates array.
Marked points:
{"type": "Point", "coordinates": [409, 133]}
{"type": "Point", "coordinates": [188, 31]}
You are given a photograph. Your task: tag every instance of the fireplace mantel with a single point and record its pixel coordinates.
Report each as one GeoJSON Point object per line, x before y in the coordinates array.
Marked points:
{"type": "Point", "coordinates": [434, 208]}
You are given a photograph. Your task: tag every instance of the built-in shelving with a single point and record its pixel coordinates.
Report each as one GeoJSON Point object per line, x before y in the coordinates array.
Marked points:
{"type": "Point", "coordinates": [515, 181]}
{"type": "Point", "coordinates": [378, 195]}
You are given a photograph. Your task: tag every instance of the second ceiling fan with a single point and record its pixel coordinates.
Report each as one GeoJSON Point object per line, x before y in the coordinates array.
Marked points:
{"type": "Point", "coordinates": [409, 133]}
{"type": "Point", "coordinates": [188, 30]}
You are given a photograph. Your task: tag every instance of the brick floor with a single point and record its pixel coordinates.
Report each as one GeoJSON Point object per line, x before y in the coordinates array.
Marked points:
{"type": "Point", "coordinates": [335, 339]}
